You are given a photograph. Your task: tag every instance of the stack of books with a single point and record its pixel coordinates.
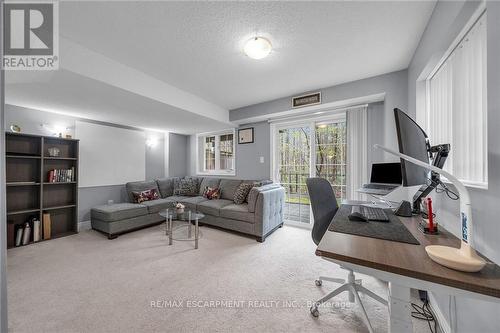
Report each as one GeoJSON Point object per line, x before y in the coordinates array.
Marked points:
{"type": "Point", "coordinates": [62, 176]}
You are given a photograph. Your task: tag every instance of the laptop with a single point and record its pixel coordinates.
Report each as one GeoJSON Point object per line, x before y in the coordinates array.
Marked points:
{"type": "Point", "coordinates": [385, 177]}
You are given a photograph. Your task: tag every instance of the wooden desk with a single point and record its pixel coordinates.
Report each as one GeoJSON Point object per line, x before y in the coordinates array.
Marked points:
{"type": "Point", "coordinates": [407, 266]}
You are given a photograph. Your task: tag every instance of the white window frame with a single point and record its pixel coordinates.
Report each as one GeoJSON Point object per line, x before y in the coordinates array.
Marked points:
{"type": "Point", "coordinates": [424, 115]}
{"type": "Point", "coordinates": [200, 162]}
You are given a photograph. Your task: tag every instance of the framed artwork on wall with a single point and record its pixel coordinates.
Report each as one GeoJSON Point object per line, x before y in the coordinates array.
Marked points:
{"type": "Point", "coordinates": [245, 135]}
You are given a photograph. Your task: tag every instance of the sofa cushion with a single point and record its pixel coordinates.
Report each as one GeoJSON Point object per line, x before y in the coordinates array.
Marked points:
{"type": "Point", "coordinates": [228, 187]}
{"type": "Point", "coordinates": [187, 186]}
{"type": "Point", "coordinates": [212, 207]}
{"type": "Point", "coordinates": [208, 182]}
{"type": "Point", "coordinates": [192, 202]}
{"type": "Point", "coordinates": [167, 185]}
{"type": "Point", "coordinates": [147, 195]}
{"type": "Point", "coordinates": [211, 193]}
{"type": "Point", "coordinates": [241, 193]}
{"type": "Point", "coordinates": [237, 212]}
{"type": "Point", "coordinates": [155, 206]}
{"type": "Point", "coordinates": [139, 187]}
{"type": "Point", "coordinates": [119, 211]}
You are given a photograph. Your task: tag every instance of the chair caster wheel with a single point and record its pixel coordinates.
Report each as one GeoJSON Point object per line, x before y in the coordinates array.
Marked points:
{"type": "Point", "coordinates": [318, 283]}
{"type": "Point", "coordinates": [314, 311]}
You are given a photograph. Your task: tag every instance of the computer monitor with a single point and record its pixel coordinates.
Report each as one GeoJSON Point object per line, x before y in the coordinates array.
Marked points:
{"type": "Point", "coordinates": [413, 142]}
{"type": "Point", "coordinates": [386, 173]}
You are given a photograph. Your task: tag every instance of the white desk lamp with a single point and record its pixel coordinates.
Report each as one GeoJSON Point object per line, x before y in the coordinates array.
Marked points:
{"type": "Point", "coordinates": [465, 258]}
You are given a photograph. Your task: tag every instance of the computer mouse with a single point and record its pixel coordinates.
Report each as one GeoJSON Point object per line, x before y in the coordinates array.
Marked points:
{"type": "Point", "coordinates": [358, 217]}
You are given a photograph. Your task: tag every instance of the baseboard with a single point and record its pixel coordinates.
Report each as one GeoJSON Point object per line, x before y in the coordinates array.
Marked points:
{"type": "Point", "coordinates": [444, 325]}
{"type": "Point", "coordinates": [84, 225]}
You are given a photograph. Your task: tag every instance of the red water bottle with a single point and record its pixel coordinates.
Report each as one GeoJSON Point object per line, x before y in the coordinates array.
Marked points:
{"type": "Point", "coordinates": [430, 215]}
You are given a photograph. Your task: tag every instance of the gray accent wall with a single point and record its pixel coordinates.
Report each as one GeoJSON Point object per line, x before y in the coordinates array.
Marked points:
{"type": "Point", "coordinates": [89, 197]}
{"type": "Point", "coordinates": [446, 22]}
{"type": "Point", "coordinates": [248, 164]}
{"type": "Point", "coordinates": [178, 150]}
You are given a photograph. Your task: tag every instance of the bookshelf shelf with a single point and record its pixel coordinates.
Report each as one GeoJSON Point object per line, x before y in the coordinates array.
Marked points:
{"type": "Point", "coordinates": [23, 156]}
{"type": "Point", "coordinates": [60, 158]}
{"type": "Point", "coordinates": [22, 184]}
{"type": "Point", "coordinates": [23, 211]}
{"type": "Point", "coordinates": [30, 196]}
{"type": "Point", "coordinates": [58, 207]}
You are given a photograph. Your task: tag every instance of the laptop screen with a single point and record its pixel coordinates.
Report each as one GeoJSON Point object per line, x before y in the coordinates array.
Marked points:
{"type": "Point", "coordinates": [387, 173]}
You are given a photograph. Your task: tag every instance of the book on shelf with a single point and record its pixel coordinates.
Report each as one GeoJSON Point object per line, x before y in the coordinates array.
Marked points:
{"type": "Point", "coordinates": [61, 175]}
{"type": "Point", "coordinates": [19, 235]}
{"type": "Point", "coordinates": [36, 230]}
{"type": "Point", "coordinates": [11, 234]}
{"type": "Point", "coordinates": [46, 226]}
{"type": "Point", "coordinates": [26, 233]}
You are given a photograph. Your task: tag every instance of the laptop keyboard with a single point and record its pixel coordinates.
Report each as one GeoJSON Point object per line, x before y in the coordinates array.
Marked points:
{"type": "Point", "coordinates": [378, 186]}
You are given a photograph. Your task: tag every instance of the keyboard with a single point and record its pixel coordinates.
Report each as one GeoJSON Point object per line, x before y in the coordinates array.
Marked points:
{"type": "Point", "coordinates": [371, 213]}
{"type": "Point", "coordinates": [379, 186]}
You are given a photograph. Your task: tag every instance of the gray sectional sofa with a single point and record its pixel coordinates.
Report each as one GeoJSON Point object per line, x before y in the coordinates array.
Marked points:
{"type": "Point", "coordinates": [259, 216]}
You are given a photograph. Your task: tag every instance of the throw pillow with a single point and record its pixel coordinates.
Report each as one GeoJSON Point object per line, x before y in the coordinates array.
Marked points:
{"type": "Point", "coordinates": [187, 186]}
{"type": "Point", "coordinates": [211, 193]}
{"type": "Point", "coordinates": [146, 195]}
{"type": "Point", "coordinates": [241, 193]}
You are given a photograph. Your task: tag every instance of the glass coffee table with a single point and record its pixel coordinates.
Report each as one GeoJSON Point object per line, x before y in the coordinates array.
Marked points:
{"type": "Point", "coordinates": [178, 232]}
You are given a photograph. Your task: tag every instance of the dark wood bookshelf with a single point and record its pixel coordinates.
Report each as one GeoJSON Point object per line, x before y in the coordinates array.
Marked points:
{"type": "Point", "coordinates": [29, 192]}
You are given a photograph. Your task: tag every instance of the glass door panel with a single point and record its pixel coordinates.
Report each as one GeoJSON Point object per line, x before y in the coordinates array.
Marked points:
{"type": "Point", "coordinates": [293, 165]}
{"type": "Point", "coordinates": [331, 155]}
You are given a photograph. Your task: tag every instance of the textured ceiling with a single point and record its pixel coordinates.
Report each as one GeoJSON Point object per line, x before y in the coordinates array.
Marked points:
{"type": "Point", "coordinates": [179, 66]}
{"type": "Point", "coordinates": [197, 46]}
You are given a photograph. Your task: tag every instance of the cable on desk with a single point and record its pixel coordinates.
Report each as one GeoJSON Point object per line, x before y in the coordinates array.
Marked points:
{"type": "Point", "coordinates": [424, 312]}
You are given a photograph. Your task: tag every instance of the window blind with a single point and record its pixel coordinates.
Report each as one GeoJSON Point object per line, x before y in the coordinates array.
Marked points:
{"type": "Point", "coordinates": [456, 111]}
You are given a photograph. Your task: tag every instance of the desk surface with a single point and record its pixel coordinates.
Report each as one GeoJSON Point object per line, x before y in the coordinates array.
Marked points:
{"type": "Point", "coordinates": [408, 259]}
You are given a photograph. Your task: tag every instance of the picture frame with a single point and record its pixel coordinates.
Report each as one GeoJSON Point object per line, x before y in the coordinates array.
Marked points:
{"type": "Point", "coordinates": [245, 135]}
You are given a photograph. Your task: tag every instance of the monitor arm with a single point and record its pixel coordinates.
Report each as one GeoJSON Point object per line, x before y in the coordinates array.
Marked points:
{"type": "Point", "coordinates": [438, 154]}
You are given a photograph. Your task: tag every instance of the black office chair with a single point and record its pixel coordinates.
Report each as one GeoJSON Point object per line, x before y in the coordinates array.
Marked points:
{"type": "Point", "coordinates": [324, 206]}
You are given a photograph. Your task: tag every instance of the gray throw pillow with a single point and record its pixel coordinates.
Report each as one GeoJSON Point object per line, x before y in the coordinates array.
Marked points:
{"type": "Point", "coordinates": [241, 193]}
{"type": "Point", "coordinates": [187, 186]}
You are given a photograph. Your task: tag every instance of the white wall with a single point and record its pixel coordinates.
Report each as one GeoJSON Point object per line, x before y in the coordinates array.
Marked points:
{"type": "Point", "coordinates": [110, 155]}
{"type": "Point", "coordinates": [446, 22]}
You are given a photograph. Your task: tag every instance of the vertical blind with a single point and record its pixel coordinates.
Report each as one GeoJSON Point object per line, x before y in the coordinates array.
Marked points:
{"type": "Point", "coordinates": [357, 147]}
{"type": "Point", "coordinates": [457, 110]}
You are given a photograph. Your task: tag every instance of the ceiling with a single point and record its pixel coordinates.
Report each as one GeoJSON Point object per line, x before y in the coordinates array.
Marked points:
{"type": "Point", "coordinates": [196, 48]}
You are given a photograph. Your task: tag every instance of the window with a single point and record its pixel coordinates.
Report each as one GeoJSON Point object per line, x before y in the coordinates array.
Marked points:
{"type": "Point", "coordinates": [456, 111]}
{"type": "Point", "coordinates": [216, 153]}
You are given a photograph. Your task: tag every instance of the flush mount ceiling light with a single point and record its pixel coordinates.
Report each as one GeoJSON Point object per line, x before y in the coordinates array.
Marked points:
{"type": "Point", "coordinates": [257, 48]}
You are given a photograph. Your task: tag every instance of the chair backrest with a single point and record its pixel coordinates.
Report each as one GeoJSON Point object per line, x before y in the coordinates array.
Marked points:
{"type": "Point", "coordinates": [324, 206]}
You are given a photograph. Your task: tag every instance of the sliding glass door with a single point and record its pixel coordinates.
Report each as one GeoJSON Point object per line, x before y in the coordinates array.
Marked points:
{"type": "Point", "coordinates": [308, 149]}
{"type": "Point", "coordinates": [294, 167]}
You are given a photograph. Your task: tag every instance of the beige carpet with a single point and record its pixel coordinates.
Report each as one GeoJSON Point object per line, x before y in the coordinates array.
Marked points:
{"type": "Point", "coordinates": [87, 283]}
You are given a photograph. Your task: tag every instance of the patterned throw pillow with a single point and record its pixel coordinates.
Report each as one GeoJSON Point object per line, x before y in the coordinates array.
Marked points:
{"type": "Point", "coordinates": [187, 186]}
{"type": "Point", "coordinates": [211, 193]}
{"type": "Point", "coordinates": [146, 195]}
{"type": "Point", "coordinates": [241, 193]}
